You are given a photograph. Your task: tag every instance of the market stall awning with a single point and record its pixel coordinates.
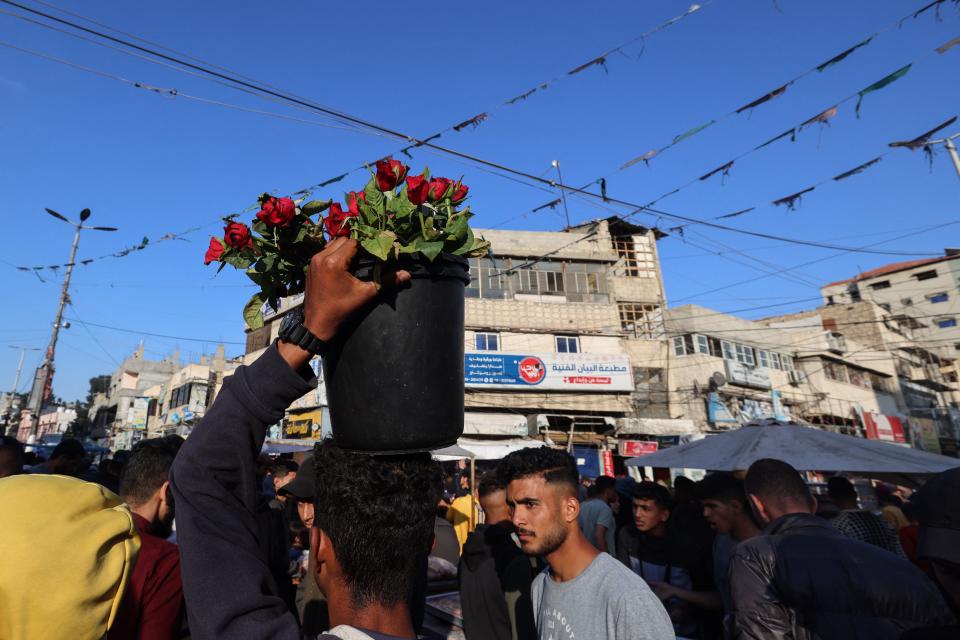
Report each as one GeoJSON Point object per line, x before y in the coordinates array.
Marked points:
{"type": "Point", "coordinates": [805, 448]}
{"type": "Point", "coordinates": [496, 449]}
{"type": "Point", "coordinates": [494, 424]}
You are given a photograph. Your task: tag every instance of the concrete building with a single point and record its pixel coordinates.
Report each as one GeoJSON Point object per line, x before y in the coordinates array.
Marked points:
{"type": "Point", "coordinates": [724, 371]}
{"type": "Point", "coordinates": [124, 408]}
{"type": "Point", "coordinates": [179, 403]}
{"type": "Point", "coordinates": [559, 328]}
{"type": "Point", "coordinates": [928, 290]}
{"type": "Point", "coordinates": [923, 381]}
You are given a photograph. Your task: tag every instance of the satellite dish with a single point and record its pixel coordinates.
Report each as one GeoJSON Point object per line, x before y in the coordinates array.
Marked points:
{"type": "Point", "coordinates": [717, 380]}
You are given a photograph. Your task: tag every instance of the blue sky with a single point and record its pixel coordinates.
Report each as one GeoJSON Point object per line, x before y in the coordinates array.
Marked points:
{"type": "Point", "coordinates": [151, 164]}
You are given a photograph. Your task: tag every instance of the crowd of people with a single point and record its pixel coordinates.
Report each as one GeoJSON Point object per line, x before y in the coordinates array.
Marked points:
{"type": "Point", "coordinates": [342, 546]}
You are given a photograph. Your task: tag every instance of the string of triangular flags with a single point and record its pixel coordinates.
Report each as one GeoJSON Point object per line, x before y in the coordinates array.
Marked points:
{"type": "Point", "coordinates": [474, 121]}
{"type": "Point", "coordinates": [143, 244]}
{"type": "Point", "coordinates": [823, 118]}
{"type": "Point", "coordinates": [793, 201]}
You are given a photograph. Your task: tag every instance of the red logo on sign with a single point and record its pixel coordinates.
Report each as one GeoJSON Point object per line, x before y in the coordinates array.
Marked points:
{"type": "Point", "coordinates": [532, 370]}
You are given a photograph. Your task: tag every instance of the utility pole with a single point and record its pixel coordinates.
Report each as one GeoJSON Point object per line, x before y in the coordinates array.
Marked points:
{"type": "Point", "coordinates": [16, 383]}
{"type": "Point", "coordinates": [45, 372]}
{"type": "Point", "coordinates": [563, 193]}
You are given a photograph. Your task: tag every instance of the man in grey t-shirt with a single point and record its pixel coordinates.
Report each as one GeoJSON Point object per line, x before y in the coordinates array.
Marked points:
{"type": "Point", "coordinates": [583, 593]}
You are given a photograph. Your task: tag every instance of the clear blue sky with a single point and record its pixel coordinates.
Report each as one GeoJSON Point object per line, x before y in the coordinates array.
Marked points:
{"type": "Point", "coordinates": [151, 165]}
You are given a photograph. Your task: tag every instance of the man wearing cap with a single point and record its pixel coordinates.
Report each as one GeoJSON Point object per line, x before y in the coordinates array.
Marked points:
{"type": "Point", "coordinates": [311, 603]}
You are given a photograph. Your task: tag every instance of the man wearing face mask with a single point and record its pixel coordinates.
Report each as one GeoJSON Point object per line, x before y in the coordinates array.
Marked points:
{"type": "Point", "coordinates": [152, 606]}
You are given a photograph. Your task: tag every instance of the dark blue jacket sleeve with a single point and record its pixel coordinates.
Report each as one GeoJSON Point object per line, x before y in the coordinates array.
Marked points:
{"type": "Point", "coordinates": [227, 583]}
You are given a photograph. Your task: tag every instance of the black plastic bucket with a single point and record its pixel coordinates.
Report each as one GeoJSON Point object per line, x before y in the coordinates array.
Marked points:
{"type": "Point", "coordinates": [394, 374]}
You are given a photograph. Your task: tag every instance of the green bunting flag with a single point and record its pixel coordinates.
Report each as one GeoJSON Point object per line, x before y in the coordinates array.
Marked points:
{"type": "Point", "coordinates": [601, 60]}
{"type": "Point", "coordinates": [692, 132]}
{"type": "Point", "coordinates": [840, 56]}
{"type": "Point", "coordinates": [333, 180]}
{"type": "Point", "coordinates": [880, 84]}
{"type": "Point", "coordinates": [789, 132]}
{"type": "Point", "coordinates": [475, 121]}
{"type": "Point", "coordinates": [858, 169]}
{"type": "Point", "coordinates": [724, 169]}
{"type": "Point", "coordinates": [735, 213]}
{"type": "Point", "coordinates": [644, 158]}
{"type": "Point", "coordinates": [792, 200]}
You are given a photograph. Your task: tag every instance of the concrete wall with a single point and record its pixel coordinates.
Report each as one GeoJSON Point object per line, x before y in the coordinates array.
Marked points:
{"type": "Point", "coordinates": [564, 317]}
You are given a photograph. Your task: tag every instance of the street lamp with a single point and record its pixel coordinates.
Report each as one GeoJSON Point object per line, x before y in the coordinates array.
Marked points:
{"type": "Point", "coordinates": [563, 192]}
{"type": "Point", "coordinates": [45, 372]}
{"type": "Point", "coordinates": [16, 385]}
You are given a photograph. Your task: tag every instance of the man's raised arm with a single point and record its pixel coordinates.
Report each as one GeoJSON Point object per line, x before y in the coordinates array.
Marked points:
{"type": "Point", "coordinates": [227, 584]}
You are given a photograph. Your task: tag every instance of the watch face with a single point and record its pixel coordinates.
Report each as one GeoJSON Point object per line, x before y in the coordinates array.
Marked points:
{"type": "Point", "coordinates": [291, 320]}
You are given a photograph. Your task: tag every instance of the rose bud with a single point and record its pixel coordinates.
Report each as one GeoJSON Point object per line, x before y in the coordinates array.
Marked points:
{"type": "Point", "coordinates": [214, 251]}
{"type": "Point", "coordinates": [337, 221]}
{"type": "Point", "coordinates": [277, 212]}
{"type": "Point", "coordinates": [417, 189]}
{"type": "Point", "coordinates": [353, 201]}
{"type": "Point", "coordinates": [460, 192]}
{"type": "Point", "coordinates": [390, 173]}
{"type": "Point", "coordinates": [438, 187]}
{"type": "Point", "coordinates": [237, 236]}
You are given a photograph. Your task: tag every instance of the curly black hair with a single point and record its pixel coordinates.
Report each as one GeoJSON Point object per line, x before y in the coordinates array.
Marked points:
{"type": "Point", "coordinates": [655, 492]}
{"type": "Point", "coordinates": [556, 467]}
{"type": "Point", "coordinates": [378, 511]}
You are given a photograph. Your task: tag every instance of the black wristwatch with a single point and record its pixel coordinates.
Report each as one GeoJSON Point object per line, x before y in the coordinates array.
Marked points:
{"type": "Point", "coordinates": [292, 330]}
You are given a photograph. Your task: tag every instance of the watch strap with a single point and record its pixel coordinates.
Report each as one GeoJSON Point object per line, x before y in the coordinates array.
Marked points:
{"type": "Point", "coordinates": [301, 336]}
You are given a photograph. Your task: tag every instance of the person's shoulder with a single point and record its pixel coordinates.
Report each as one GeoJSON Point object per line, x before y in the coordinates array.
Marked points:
{"type": "Point", "coordinates": [609, 567]}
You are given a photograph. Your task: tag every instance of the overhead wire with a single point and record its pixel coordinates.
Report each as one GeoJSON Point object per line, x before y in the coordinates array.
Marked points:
{"type": "Point", "coordinates": [427, 144]}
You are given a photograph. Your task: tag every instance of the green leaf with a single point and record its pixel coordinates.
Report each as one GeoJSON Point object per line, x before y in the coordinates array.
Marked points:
{"type": "Point", "coordinates": [251, 312]}
{"type": "Point", "coordinates": [380, 245]}
{"type": "Point", "coordinates": [457, 227]}
{"type": "Point", "coordinates": [467, 244]}
{"type": "Point", "coordinates": [430, 250]}
{"type": "Point", "coordinates": [315, 206]}
{"type": "Point", "coordinates": [261, 227]}
{"type": "Point", "coordinates": [237, 260]}
{"type": "Point", "coordinates": [374, 196]}
{"type": "Point", "coordinates": [480, 249]}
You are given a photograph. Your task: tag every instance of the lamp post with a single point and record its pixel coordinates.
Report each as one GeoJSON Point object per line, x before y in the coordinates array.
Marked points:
{"type": "Point", "coordinates": [563, 193]}
{"type": "Point", "coordinates": [45, 372]}
{"type": "Point", "coordinates": [11, 415]}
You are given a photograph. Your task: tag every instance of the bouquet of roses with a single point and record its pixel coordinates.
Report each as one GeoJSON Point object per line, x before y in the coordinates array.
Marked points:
{"type": "Point", "coordinates": [394, 215]}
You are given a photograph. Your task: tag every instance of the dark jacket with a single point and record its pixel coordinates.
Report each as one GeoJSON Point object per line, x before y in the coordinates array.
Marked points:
{"type": "Point", "coordinates": [228, 585]}
{"type": "Point", "coordinates": [495, 579]}
{"type": "Point", "coordinates": [803, 579]}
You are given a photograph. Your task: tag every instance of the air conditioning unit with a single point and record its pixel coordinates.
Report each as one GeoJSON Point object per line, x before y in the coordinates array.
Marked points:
{"type": "Point", "coordinates": [796, 377]}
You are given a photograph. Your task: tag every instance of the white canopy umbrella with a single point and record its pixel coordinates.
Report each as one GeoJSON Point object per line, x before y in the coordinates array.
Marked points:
{"type": "Point", "coordinates": [804, 448]}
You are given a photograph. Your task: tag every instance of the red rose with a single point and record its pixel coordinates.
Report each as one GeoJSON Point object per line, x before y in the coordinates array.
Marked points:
{"type": "Point", "coordinates": [390, 173]}
{"type": "Point", "coordinates": [353, 201]}
{"type": "Point", "coordinates": [460, 192]}
{"type": "Point", "coordinates": [277, 212]}
{"type": "Point", "coordinates": [417, 189]}
{"type": "Point", "coordinates": [438, 186]}
{"type": "Point", "coordinates": [337, 221]}
{"type": "Point", "coordinates": [237, 236]}
{"type": "Point", "coordinates": [214, 251]}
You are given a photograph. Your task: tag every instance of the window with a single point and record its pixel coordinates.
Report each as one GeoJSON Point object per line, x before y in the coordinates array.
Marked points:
{"type": "Point", "coordinates": [488, 341]}
{"type": "Point", "coordinates": [787, 362]}
{"type": "Point", "coordinates": [883, 284]}
{"type": "Point", "coordinates": [775, 360]}
{"type": "Point", "coordinates": [728, 353]}
{"type": "Point", "coordinates": [926, 275]}
{"type": "Point", "coordinates": [835, 371]}
{"type": "Point", "coordinates": [859, 378]}
{"type": "Point", "coordinates": [568, 344]}
{"type": "Point", "coordinates": [683, 345]}
{"type": "Point", "coordinates": [879, 383]}
{"type": "Point", "coordinates": [636, 254]}
{"type": "Point", "coordinates": [703, 345]}
{"type": "Point", "coordinates": [745, 355]}
{"type": "Point", "coordinates": [577, 281]}
{"type": "Point", "coordinates": [946, 323]}
{"type": "Point", "coordinates": [938, 297]}
{"type": "Point", "coordinates": [763, 357]}
{"type": "Point", "coordinates": [641, 320]}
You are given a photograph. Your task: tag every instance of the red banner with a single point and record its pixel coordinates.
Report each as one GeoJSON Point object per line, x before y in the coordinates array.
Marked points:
{"type": "Point", "coordinates": [882, 427]}
{"type": "Point", "coordinates": [634, 448]}
{"type": "Point", "coordinates": [607, 462]}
